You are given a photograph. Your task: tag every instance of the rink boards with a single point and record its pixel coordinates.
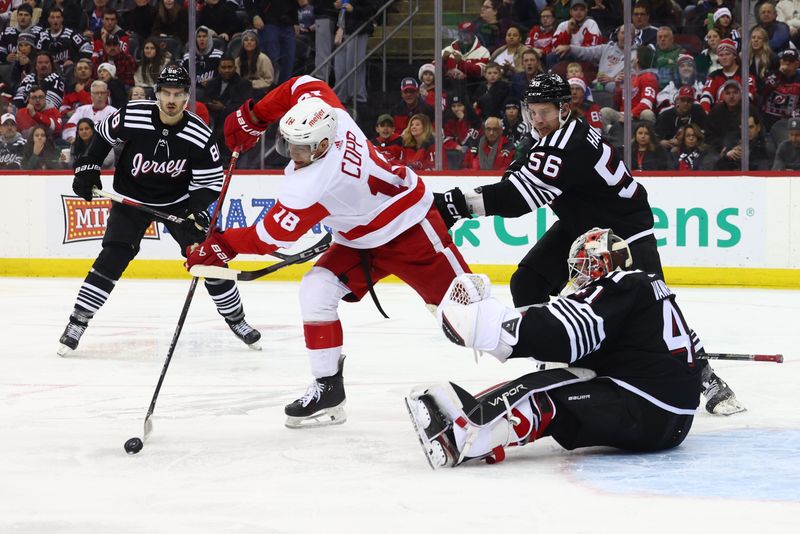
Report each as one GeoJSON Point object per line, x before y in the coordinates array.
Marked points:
{"type": "Point", "coordinates": [711, 229]}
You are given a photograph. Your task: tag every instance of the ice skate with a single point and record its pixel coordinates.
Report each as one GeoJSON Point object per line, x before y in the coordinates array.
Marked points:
{"type": "Point", "coordinates": [249, 335]}
{"type": "Point", "coordinates": [720, 398]}
{"type": "Point", "coordinates": [72, 335]}
{"type": "Point", "coordinates": [433, 430]}
{"type": "Point", "coordinates": [322, 404]}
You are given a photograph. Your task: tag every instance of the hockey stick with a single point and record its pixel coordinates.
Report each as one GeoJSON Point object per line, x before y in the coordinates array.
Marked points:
{"type": "Point", "coordinates": [777, 358]}
{"type": "Point", "coordinates": [211, 271]}
{"type": "Point", "coordinates": [133, 448]}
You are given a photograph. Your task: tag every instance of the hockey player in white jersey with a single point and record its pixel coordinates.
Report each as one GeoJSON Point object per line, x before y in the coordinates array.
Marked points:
{"type": "Point", "coordinates": [382, 216]}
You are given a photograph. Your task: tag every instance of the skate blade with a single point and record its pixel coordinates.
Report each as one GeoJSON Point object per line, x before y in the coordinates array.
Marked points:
{"type": "Point", "coordinates": [436, 456]}
{"type": "Point", "coordinates": [327, 417]}
{"type": "Point", "coordinates": [728, 407]}
{"type": "Point", "coordinates": [254, 346]}
{"type": "Point", "coordinates": [63, 350]}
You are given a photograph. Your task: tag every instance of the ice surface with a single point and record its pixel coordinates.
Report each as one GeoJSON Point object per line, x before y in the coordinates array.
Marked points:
{"type": "Point", "coordinates": [221, 461]}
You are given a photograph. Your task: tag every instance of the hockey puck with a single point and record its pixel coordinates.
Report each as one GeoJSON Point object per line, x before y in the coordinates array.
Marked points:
{"type": "Point", "coordinates": [133, 445]}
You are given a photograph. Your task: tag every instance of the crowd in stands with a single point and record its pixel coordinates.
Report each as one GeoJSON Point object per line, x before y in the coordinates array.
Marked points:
{"type": "Point", "coordinates": [67, 64]}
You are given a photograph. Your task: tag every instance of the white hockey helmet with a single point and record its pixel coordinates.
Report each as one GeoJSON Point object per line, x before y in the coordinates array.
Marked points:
{"type": "Point", "coordinates": [594, 254]}
{"type": "Point", "coordinates": [308, 123]}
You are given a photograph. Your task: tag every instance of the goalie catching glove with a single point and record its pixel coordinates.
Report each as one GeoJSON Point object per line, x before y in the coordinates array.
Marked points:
{"type": "Point", "coordinates": [242, 131]}
{"type": "Point", "coordinates": [87, 177]}
{"type": "Point", "coordinates": [215, 251]}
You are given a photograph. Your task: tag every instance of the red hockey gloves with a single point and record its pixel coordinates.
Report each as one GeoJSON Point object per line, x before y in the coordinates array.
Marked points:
{"type": "Point", "coordinates": [215, 250]}
{"type": "Point", "coordinates": [452, 206]}
{"type": "Point", "coordinates": [241, 131]}
{"type": "Point", "coordinates": [87, 177]}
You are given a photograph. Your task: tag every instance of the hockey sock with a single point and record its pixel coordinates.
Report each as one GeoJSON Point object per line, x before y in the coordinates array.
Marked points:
{"type": "Point", "coordinates": [93, 294]}
{"type": "Point", "coordinates": [225, 295]}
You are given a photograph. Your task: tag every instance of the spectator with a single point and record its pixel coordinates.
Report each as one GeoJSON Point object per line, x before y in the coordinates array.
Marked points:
{"type": "Point", "coordinates": [354, 14]}
{"type": "Point", "coordinates": [171, 20]}
{"type": "Point", "coordinates": [488, 28]}
{"type": "Point", "coordinates": [386, 141]}
{"type": "Point", "coordinates": [761, 150]}
{"type": "Point", "coordinates": [39, 152]}
{"type": "Point", "coordinates": [788, 155]}
{"type": "Point", "coordinates": [644, 88]}
{"type": "Point", "coordinates": [691, 152]}
{"type": "Point", "coordinates": [542, 37]}
{"type": "Point", "coordinates": [219, 16]}
{"type": "Point", "coordinates": [10, 36]}
{"type": "Point", "coordinates": [325, 15]}
{"type": "Point", "coordinates": [490, 95]}
{"type": "Point", "coordinates": [107, 72]}
{"type": "Point", "coordinates": [685, 75]}
{"type": "Point", "coordinates": [578, 31]}
{"type": "Point", "coordinates": [108, 28]}
{"type": "Point", "coordinates": [461, 127]}
{"type": "Point", "coordinates": [686, 110]}
{"type": "Point", "coordinates": [607, 13]}
{"type": "Point", "coordinates": [207, 58]}
{"type": "Point", "coordinates": [666, 60]}
{"type": "Point", "coordinates": [514, 128]}
{"type": "Point", "coordinates": [648, 154]}
{"type": "Point", "coordinates": [492, 152]}
{"type": "Point", "coordinates": [226, 92]}
{"type": "Point", "coordinates": [509, 56]}
{"type": "Point", "coordinates": [254, 65]}
{"type": "Point", "coordinates": [138, 92]}
{"type": "Point", "coordinates": [304, 52]}
{"type": "Point", "coordinates": [725, 116]}
{"type": "Point", "coordinates": [153, 62]}
{"type": "Point", "coordinates": [96, 111]}
{"type": "Point", "coordinates": [727, 29]}
{"type": "Point", "coordinates": [95, 14]}
{"type": "Point", "coordinates": [418, 143]}
{"type": "Point", "coordinates": [122, 61]}
{"type": "Point", "coordinates": [645, 34]}
{"type": "Point", "coordinates": [75, 15]}
{"type": "Point", "coordinates": [65, 45]}
{"type": "Point", "coordinates": [11, 143]}
{"type": "Point", "coordinates": [763, 61]}
{"type": "Point", "coordinates": [140, 18]}
{"type": "Point", "coordinates": [277, 25]}
{"type": "Point", "coordinates": [38, 112]}
{"type": "Point", "coordinates": [730, 68]}
{"type": "Point", "coordinates": [782, 90]}
{"type": "Point", "coordinates": [777, 31]}
{"type": "Point", "coordinates": [85, 130]}
{"type": "Point", "coordinates": [610, 61]}
{"type": "Point", "coordinates": [664, 13]}
{"type": "Point", "coordinates": [561, 10]}
{"type": "Point", "coordinates": [23, 58]}
{"type": "Point", "coordinates": [465, 58]}
{"type": "Point", "coordinates": [708, 60]}
{"type": "Point", "coordinates": [412, 104]}
{"type": "Point", "coordinates": [77, 90]}
{"type": "Point", "coordinates": [580, 108]}
{"type": "Point", "coordinates": [427, 85]}
{"type": "Point", "coordinates": [789, 12]}
{"type": "Point", "coordinates": [532, 66]}
{"type": "Point", "coordinates": [44, 77]}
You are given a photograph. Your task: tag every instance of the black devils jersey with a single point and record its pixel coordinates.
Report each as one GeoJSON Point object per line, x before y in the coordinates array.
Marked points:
{"type": "Point", "coordinates": [159, 164]}
{"type": "Point", "coordinates": [581, 178]}
{"type": "Point", "coordinates": [626, 327]}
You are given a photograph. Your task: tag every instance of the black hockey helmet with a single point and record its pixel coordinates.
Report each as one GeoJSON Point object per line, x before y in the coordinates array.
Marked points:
{"type": "Point", "coordinates": [173, 75]}
{"type": "Point", "coordinates": [548, 88]}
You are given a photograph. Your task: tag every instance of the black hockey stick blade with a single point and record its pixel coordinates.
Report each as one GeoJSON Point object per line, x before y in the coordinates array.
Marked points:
{"type": "Point", "coordinates": [776, 358]}
{"type": "Point", "coordinates": [223, 273]}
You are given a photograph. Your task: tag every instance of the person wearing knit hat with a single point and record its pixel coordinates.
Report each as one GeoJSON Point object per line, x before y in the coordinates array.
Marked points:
{"type": "Point", "coordinates": [730, 67]}
{"type": "Point", "coordinates": [108, 67]}
{"type": "Point", "coordinates": [581, 108]}
{"type": "Point", "coordinates": [427, 85]}
{"type": "Point", "coordinates": [721, 12]}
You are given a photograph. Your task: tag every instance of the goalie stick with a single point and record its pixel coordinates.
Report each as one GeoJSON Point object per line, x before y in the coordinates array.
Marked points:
{"type": "Point", "coordinates": [211, 271]}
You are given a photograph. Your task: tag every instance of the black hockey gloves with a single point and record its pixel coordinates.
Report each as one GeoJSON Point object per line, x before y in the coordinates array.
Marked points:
{"type": "Point", "coordinates": [452, 206]}
{"type": "Point", "coordinates": [87, 177]}
{"type": "Point", "coordinates": [195, 224]}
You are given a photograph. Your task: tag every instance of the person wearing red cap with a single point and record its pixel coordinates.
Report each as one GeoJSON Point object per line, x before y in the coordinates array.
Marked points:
{"type": "Point", "coordinates": [411, 104]}
{"type": "Point", "coordinates": [686, 110]}
{"type": "Point", "coordinates": [730, 68]}
{"type": "Point", "coordinates": [781, 94]}
{"type": "Point", "coordinates": [466, 57]}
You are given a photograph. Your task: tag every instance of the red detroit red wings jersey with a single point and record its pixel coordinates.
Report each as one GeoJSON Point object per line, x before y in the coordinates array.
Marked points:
{"type": "Point", "coordinates": [352, 189]}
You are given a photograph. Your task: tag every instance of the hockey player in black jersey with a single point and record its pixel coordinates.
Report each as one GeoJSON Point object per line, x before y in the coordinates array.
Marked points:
{"type": "Point", "coordinates": [632, 380]}
{"type": "Point", "coordinates": [586, 185]}
{"type": "Point", "coordinates": [168, 161]}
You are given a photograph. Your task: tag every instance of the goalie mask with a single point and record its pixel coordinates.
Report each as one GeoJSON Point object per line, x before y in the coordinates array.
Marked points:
{"type": "Point", "coordinates": [304, 128]}
{"type": "Point", "coordinates": [595, 254]}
